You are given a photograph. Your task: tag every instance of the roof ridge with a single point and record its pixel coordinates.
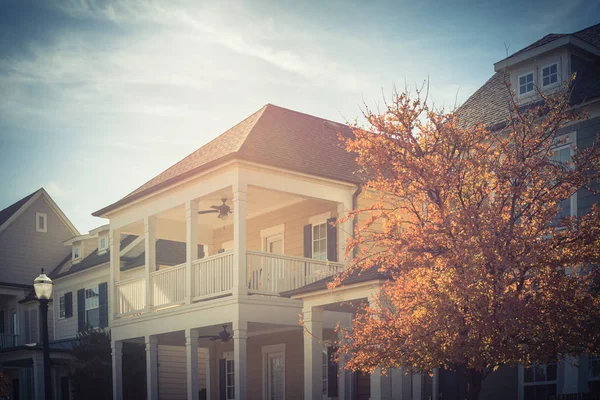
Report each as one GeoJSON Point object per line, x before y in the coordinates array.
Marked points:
{"type": "Point", "coordinates": [308, 115]}
{"type": "Point", "coordinates": [20, 200]}
{"type": "Point", "coordinates": [585, 29]}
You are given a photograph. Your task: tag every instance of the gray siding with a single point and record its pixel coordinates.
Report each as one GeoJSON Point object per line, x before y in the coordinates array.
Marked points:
{"type": "Point", "coordinates": [586, 136]}
{"type": "Point", "coordinates": [172, 372]}
{"type": "Point", "coordinates": [23, 251]}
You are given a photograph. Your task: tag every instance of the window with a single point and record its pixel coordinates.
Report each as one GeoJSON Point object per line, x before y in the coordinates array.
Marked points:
{"type": "Point", "coordinates": [229, 377]}
{"type": "Point", "coordinates": [41, 222]}
{"type": "Point", "coordinates": [76, 253]}
{"type": "Point", "coordinates": [325, 373]}
{"type": "Point", "coordinates": [539, 381]}
{"type": "Point", "coordinates": [525, 83]}
{"type": "Point", "coordinates": [274, 371]}
{"type": "Point", "coordinates": [319, 241]}
{"type": "Point", "coordinates": [102, 243]}
{"type": "Point", "coordinates": [61, 307]}
{"type": "Point", "coordinates": [92, 309]}
{"type": "Point", "coordinates": [14, 326]}
{"type": "Point", "coordinates": [563, 154]}
{"type": "Point", "coordinates": [550, 75]}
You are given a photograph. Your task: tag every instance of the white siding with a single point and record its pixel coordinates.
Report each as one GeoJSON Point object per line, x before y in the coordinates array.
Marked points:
{"type": "Point", "coordinates": [172, 372]}
{"type": "Point", "coordinates": [66, 328]}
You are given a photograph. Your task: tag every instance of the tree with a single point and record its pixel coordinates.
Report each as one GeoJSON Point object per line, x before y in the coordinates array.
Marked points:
{"type": "Point", "coordinates": [91, 372]}
{"type": "Point", "coordinates": [465, 223]}
{"type": "Point", "coordinates": [4, 385]}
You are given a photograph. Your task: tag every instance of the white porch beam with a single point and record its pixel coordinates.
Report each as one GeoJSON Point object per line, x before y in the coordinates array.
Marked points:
{"type": "Point", "coordinates": [150, 255]}
{"type": "Point", "coordinates": [240, 286]}
{"type": "Point", "coordinates": [151, 367]}
{"type": "Point", "coordinates": [114, 243]}
{"type": "Point", "coordinates": [191, 350]}
{"type": "Point", "coordinates": [117, 369]}
{"type": "Point", "coordinates": [191, 244]}
{"type": "Point", "coordinates": [240, 360]}
{"type": "Point", "coordinates": [313, 357]}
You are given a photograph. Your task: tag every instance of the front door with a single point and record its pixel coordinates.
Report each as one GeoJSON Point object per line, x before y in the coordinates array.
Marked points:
{"type": "Point", "coordinates": [363, 386]}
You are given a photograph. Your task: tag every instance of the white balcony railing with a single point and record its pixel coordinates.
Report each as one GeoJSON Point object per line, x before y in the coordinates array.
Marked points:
{"type": "Point", "coordinates": [212, 276]}
{"type": "Point", "coordinates": [131, 295]}
{"type": "Point", "coordinates": [8, 340]}
{"type": "Point", "coordinates": [275, 273]}
{"type": "Point", "coordinates": [268, 274]}
{"type": "Point", "coordinates": [168, 286]}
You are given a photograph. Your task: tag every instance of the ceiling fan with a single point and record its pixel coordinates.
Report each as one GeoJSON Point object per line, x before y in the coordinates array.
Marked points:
{"type": "Point", "coordinates": [223, 336]}
{"type": "Point", "coordinates": [224, 210]}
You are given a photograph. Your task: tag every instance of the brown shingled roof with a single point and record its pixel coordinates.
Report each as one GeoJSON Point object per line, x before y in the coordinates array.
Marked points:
{"type": "Point", "coordinates": [273, 136]}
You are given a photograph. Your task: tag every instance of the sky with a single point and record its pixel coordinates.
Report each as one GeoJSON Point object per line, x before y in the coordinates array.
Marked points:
{"type": "Point", "coordinates": [98, 97]}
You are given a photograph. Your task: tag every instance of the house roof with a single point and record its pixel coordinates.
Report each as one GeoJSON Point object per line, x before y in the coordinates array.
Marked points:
{"type": "Point", "coordinates": [273, 136]}
{"type": "Point", "coordinates": [357, 276]}
{"type": "Point", "coordinates": [13, 208]}
{"type": "Point", "coordinates": [490, 104]}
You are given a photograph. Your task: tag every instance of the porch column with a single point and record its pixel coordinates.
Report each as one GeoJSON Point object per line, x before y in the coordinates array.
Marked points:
{"type": "Point", "coordinates": [38, 376]}
{"type": "Point", "coordinates": [240, 276]}
{"type": "Point", "coordinates": [152, 367]}
{"type": "Point", "coordinates": [150, 255]}
{"type": "Point", "coordinates": [240, 338]}
{"type": "Point", "coordinates": [191, 245]}
{"type": "Point", "coordinates": [117, 369]}
{"type": "Point", "coordinates": [417, 386]}
{"type": "Point", "coordinates": [114, 242]}
{"type": "Point", "coordinates": [191, 350]}
{"type": "Point", "coordinates": [381, 385]}
{"type": "Point", "coordinates": [345, 228]}
{"type": "Point", "coordinates": [313, 353]}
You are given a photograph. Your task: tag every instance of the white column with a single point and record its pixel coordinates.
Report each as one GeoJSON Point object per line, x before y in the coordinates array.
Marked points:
{"type": "Point", "coordinates": [397, 375]}
{"type": "Point", "coordinates": [436, 384]}
{"type": "Point", "coordinates": [117, 369]}
{"type": "Point", "coordinates": [381, 385]}
{"type": "Point", "coordinates": [240, 360]}
{"type": "Point", "coordinates": [38, 376]}
{"type": "Point", "coordinates": [150, 253]}
{"type": "Point", "coordinates": [191, 351]}
{"type": "Point", "coordinates": [152, 367]}
{"type": "Point", "coordinates": [191, 245]}
{"type": "Point", "coordinates": [313, 353]}
{"type": "Point", "coordinates": [417, 384]}
{"type": "Point", "coordinates": [115, 271]}
{"type": "Point", "coordinates": [240, 276]}
{"type": "Point", "coordinates": [345, 228]}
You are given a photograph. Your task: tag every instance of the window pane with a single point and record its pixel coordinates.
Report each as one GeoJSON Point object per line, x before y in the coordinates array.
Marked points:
{"type": "Point", "coordinates": [529, 374]}
{"type": "Point", "coordinates": [539, 373]}
{"type": "Point", "coordinates": [522, 80]}
{"type": "Point", "coordinates": [529, 393]}
{"type": "Point", "coordinates": [554, 69]}
{"type": "Point", "coordinates": [546, 81]}
{"type": "Point", "coordinates": [93, 317]}
{"type": "Point", "coordinates": [551, 372]}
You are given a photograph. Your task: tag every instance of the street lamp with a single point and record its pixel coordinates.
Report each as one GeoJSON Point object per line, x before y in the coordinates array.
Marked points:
{"type": "Point", "coordinates": [43, 290]}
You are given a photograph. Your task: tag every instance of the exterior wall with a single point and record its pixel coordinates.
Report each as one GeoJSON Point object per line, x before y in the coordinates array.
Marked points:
{"type": "Point", "coordinates": [172, 372]}
{"type": "Point", "coordinates": [23, 251]}
{"type": "Point", "coordinates": [294, 217]}
{"type": "Point", "coordinates": [586, 135]}
{"type": "Point", "coordinates": [66, 328]}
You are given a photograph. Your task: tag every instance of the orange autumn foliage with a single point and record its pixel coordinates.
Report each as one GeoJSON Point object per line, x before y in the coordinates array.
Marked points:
{"type": "Point", "coordinates": [467, 230]}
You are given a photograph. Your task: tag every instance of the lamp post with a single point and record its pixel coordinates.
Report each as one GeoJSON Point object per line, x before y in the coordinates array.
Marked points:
{"type": "Point", "coordinates": [43, 290]}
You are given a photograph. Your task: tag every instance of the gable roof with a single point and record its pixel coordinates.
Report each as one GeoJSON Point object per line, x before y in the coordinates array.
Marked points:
{"type": "Point", "coordinates": [13, 211]}
{"type": "Point", "coordinates": [273, 136]}
{"type": "Point", "coordinates": [490, 104]}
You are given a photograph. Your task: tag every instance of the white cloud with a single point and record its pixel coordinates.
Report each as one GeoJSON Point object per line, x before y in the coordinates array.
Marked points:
{"type": "Point", "coordinates": [54, 189]}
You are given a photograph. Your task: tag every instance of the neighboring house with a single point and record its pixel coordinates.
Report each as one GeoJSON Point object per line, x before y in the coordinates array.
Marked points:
{"type": "Point", "coordinates": [32, 232]}
{"type": "Point", "coordinates": [286, 177]}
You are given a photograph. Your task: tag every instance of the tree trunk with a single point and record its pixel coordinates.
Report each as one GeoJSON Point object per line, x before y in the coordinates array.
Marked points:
{"type": "Point", "coordinates": [474, 380]}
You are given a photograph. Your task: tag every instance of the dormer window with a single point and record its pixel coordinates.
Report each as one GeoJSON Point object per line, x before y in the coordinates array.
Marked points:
{"type": "Point", "coordinates": [102, 243]}
{"type": "Point", "coordinates": [526, 83]}
{"type": "Point", "coordinates": [550, 75]}
{"type": "Point", "coordinates": [76, 253]}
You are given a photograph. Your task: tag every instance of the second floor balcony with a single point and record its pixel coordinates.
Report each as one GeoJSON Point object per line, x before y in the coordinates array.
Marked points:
{"type": "Point", "coordinates": [281, 233]}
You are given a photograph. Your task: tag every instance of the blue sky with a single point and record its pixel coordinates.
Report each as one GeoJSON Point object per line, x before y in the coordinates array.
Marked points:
{"type": "Point", "coordinates": [97, 97]}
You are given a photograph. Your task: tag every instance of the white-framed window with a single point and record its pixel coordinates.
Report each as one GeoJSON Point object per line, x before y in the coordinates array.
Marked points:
{"type": "Point", "coordinates": [41, 222]}
{"type": "Point", "coordinates": [525, 82]}
{"type": "Point", "coordinates": [319, 235]}
{"type": "Point", "coordinates": [229, 375]}
{"type": "Point", "coordinates": [92, 306]}
{"type": "Point", "coordinates": [274, 371]}
{"type": "Point", "coordinates": [61, 307]}
{"type": "Point", "coordinates": [325, 373]}
{"type": "Point", "coordinates": [272, 239]}
{"type": "Point", "coordinates": [539, 381]}
{"type": "Point", "coordinates": [76, 253]}
{"type": "Point", "coordinates": [102, 243]}
{"type": "Point", "coordinates": [563, 154]}
{"type": "Point", "coordinates": [550, 75]}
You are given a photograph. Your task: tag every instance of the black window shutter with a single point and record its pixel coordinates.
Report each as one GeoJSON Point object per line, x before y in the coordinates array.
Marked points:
{"type": "Point", "coordinates": [332, 373]}
{"type": "Point", "coordinates": [331, 239]}
{"type": "Point", "coordinates": [222, 379]}
{"type": "Point", "coordinates": [68, 304]}
{"type": "Point", "coordinates": [103, 307]}
{"type": "Point", "coordinates": [80, 309]}
{"type": "Point", "coordinates": [2, 321]}
{"type": "Point", "coordinates": [308, 241]}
